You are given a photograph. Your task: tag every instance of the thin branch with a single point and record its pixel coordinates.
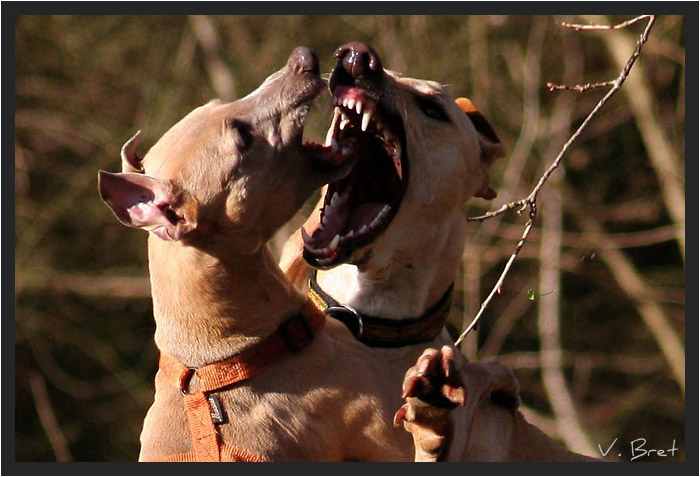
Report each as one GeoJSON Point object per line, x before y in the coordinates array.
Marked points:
{"type": "Point", "coordinates": [617, 83]}
{"type": "Point", "coordinates": [662, 151]}
{"type": "Point", "coordinates": [501, 279]}
{"type": "Point", "coordinates": [531, 200]}
{"type": "Point", "coordinates": [47, 418]}
{"type": "Point", "coordinates": [625, 24]}
{"type": "Point", "coordinates": [580, 88]}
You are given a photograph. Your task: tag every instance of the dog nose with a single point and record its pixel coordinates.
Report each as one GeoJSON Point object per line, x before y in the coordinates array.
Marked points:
{"type": "Point", "coordinates": [304, 60]}
{"type": "Point", "coordinates": [359, 60]}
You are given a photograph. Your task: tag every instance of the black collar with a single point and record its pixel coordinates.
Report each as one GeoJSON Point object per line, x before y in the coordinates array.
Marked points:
{"type": "Point", "coordinates": [384, 332]}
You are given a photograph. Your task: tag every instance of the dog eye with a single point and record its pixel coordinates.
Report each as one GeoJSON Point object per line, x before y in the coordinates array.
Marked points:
{"type": "Point", "coordinates": [242, 132]}
{"type": "Point", "coordinates": [432, 109]}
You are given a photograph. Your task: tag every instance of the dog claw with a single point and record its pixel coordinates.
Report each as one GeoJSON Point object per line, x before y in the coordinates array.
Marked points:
{"type": "Point", "coordinates": [400, 415]}
{"type": "Point", "coordinates": [431, 388]}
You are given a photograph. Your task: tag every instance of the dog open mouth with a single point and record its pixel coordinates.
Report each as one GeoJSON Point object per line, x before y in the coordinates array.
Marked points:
{"type": "Point", "coordinates": [359, 207]}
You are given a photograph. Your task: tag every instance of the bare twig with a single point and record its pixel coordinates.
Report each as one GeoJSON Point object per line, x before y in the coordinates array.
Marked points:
{"type": "Point", "coordinates": [522, 203]}
{"type": "Point", "coordinates": [625, 24]}
{"type": "Point", "coordinates": [580, 88]}
{"type": "Point", "coordinates": [501, 279]}
{"type": "Point", "coordinates": [661, 150]}
{"type": "Point", "coordinates": [48, 419]}
{"type": "Point", "coordinates": [531, 200]}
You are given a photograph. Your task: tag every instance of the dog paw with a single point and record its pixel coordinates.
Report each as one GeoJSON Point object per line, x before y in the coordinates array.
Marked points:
{"type": "Point", "coordinates": [431, 388]}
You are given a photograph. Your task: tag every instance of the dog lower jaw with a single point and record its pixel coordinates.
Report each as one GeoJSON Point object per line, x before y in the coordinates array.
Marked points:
{"type": "Point", "coordinates": [399, 275]}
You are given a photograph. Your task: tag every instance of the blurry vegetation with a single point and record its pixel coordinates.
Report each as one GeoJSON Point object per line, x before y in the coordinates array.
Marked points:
{"type": "Point", "coordinates": [85, 357]}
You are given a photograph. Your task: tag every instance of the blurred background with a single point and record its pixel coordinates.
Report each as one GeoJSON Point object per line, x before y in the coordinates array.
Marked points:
{"type": "Point", "coordinates": [590, 318]}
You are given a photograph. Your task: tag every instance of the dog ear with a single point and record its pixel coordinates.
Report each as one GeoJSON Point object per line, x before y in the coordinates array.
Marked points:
{"type": "Point", "coordinates": [130, 161]}
{"type": "Point", "coordinates": [489, 143]}
{"type": "Point", "coordinates": [157, 206]}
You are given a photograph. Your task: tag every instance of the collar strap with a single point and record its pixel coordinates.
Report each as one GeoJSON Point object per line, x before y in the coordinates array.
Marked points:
{"type": "Point", "coordinates": [384, 332]}
{"type": "Point", "coordinates": [204, 410]}
{"type": "Point", "coordinates": [292, 335]}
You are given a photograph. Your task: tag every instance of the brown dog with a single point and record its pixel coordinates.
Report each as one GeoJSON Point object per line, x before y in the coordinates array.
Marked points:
{"type": "Point", "coordinates": [388, 238]}
{"type": "Point", "coordinates": [211, 192]}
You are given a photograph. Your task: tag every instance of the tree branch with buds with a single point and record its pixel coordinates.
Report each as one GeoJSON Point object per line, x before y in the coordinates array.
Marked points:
{"type": "Point", "coordinates": [530, 202]}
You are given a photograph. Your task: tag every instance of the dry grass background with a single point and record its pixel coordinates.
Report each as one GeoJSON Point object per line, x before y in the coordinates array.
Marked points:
{"type": "Point", "coordinates": [607, 253]}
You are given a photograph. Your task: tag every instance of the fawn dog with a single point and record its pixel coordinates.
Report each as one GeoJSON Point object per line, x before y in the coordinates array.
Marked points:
{"type": "Point", "coordinates": [247, 371]}
{"type": "Point", "coordinates": [387, 240]}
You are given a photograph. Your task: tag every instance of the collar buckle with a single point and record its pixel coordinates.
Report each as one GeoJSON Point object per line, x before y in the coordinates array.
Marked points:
{"type": "Point", "coordinates": [296, 332]}
{"type": "Point", "coordinates": [349, 316]}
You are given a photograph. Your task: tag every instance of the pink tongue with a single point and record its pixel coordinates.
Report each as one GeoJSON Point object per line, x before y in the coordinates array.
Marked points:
{"type": "Point", "coordinates": [364, 215]}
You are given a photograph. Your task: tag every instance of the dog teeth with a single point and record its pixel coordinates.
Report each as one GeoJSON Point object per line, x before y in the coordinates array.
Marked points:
{"type": "Point", "coordinates": [332, 129]}
{"type": "Point", "coordinates": [380, 215]}
{"type": "Point", "coordinates": [334, 199]}
{"type": "Point", "coordinates": [358, 108]}
{"type": "Point", "coordinates": [344, 122]}
{"type": "Point", "coordinates": [365, 119]}
{"type": "Point", "coordinates": [334, 243]}
{"type": "Point", "coordinates": [362, 230]}
{"type": "Point", "coordinates": [351, 103]}
{"type": "Point", "coordinates": [305, 235]}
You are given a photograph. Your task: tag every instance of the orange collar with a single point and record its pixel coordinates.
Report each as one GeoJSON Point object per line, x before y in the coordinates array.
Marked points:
{"type": "Point", "coordinates": [204, 411]}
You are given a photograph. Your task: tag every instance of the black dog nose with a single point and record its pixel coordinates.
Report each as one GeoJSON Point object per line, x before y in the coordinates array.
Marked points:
{"type": "Point", "coordinates": [304, 60]}
{"type": "Point", "coordinates": [359, 60]}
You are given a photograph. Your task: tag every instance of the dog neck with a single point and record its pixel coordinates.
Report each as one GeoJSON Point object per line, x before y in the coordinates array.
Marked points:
{"type": "Point", "coordinates": [403, 282]}
{"type": "Point", "coordinates": [208, 308]}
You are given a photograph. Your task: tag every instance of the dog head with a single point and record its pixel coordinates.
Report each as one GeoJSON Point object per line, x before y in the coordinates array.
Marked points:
{"type": "Point", "coordinates": [421, 155]}
{"type": "Point", "coordinates": [229, 171]}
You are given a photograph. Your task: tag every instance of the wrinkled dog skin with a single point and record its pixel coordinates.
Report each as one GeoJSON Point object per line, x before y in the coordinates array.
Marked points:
{"type": "Point", "coordinates": [211, 193]}
{"type": "Point", "coordinates": [387, 240]}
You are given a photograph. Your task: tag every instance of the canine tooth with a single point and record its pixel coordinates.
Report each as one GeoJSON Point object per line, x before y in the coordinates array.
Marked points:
{"type": "Point", "coordinates": [331, 129]}
{"type": "Point", "coordinates": [358, 108]}
{"type": "Point", "coordinates": [334, 243]}
{"type": "Point", "coordinates": [351, 103]}
{"type": "Point", "coordinates": [365, 119]}
{"type": "Point", "coordinates": [344, 122]}
{"type": "Point", "coordinates": [305, 235]}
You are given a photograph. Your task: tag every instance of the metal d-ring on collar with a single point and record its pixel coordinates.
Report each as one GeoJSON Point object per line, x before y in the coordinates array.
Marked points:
{"type": "Point", "coordinates": [343, 308]}
{"type": "Point", "coordinates": [376, 331]}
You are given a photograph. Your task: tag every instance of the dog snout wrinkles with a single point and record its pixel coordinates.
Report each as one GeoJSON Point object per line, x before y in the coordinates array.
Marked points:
{"type": "Point", "coordinates": [304, 60]}
{"type": "Point", "coordinates": [359, 60]}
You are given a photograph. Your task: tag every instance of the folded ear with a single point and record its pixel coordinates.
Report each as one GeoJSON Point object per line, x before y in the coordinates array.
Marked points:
{"type": "Point", "coordinates": [141, 201]}
{"type": "Point", "coordinates": [131, 162]}
{"type": "Point", "coordinates": [489, 143]}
